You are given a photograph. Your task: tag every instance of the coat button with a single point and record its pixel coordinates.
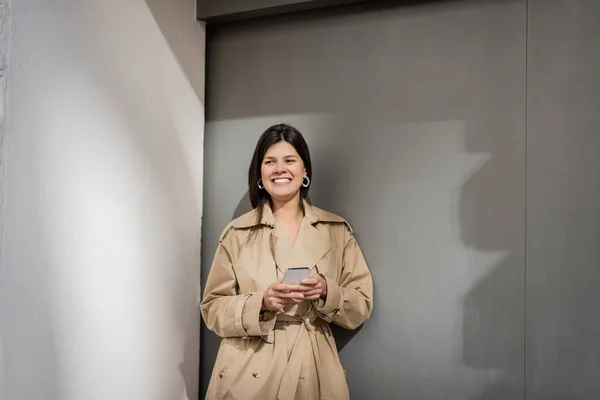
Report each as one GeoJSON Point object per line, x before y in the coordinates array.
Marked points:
{"type": "Point", "coordinates": [256, 374]}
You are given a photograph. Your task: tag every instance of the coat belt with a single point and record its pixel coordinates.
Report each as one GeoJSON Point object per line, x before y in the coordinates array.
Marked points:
{"type": "Point", "coordinates": [306, 337]}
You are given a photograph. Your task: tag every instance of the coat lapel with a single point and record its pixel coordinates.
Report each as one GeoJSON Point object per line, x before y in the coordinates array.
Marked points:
{"type": "Point", "coordinates": [317, 242]}
{"type": "Point", "coordinates": [273, 238]}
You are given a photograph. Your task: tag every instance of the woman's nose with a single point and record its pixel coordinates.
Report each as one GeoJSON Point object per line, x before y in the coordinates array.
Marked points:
{"type": "Point", "coordinates": [279, 167]}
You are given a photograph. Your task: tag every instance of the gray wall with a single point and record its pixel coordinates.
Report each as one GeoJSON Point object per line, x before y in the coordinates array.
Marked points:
{"type": "Point", "coordinates": [563, 200]}
{"type": "Point", "coordinates": [418, 125]}
{"type": "Point", "coordinates": [4, 51]}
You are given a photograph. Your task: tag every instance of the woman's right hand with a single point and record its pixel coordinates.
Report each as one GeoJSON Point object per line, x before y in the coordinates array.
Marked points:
{"type": "Point", "coordinates": [279, 295]}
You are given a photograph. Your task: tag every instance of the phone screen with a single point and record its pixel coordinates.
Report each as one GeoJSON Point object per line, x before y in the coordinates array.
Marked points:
{"type": "Point", "coordinates": [293, 276]}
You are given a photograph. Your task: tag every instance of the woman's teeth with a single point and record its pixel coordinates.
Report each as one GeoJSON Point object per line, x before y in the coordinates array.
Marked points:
{"type": "Point", "coordinates": [280, 181]}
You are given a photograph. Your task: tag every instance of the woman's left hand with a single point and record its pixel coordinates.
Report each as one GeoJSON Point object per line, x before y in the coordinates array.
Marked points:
{"type": "Point", "coordinates": [314, 287]}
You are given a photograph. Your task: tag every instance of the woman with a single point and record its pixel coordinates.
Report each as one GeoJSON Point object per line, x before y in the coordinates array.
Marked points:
{"type": "Point", "coordinates": [277, 343]}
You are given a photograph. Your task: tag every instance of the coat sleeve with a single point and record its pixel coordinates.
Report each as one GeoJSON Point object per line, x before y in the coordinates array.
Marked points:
{"type": "Point", "coordinates": [227, 312]}
{"type": "Point", "coordinates": [349, 302]}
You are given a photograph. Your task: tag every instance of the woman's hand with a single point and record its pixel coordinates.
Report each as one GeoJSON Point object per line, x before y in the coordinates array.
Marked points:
{"type": "Point", "coordinates": [279, 295]}
{"type": "Point", "coordinates": [314, 287]}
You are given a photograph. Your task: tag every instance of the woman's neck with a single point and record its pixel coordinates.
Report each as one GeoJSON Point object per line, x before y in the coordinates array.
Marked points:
{"type": "Point", "coordinates": [287, 211]}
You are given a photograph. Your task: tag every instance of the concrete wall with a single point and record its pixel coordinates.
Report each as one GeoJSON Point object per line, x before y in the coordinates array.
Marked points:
{"type": "Point", "coordinates": [563, 200]}
{"type": "Point", "coordinates": [415, 116]}
{"type": "Point", "coordinates": [4, 45]}
{"type": "Point", "coordinates": [103, 158]}
{"type": "Point", "coordinates": [460, 138]}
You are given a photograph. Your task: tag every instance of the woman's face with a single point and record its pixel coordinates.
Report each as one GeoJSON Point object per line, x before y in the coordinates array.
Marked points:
{"type": "Point", "coordinates": [282, 171]}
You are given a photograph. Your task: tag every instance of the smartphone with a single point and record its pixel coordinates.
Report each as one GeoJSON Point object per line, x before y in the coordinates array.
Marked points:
{"type": "Point", "coordinates": [293, 276]}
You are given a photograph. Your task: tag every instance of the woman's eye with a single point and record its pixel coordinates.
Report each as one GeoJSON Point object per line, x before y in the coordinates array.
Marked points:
{"type": "Point", "coordinates": [290, 161]}
{"type": "Point", "coordinates": [269, 162]}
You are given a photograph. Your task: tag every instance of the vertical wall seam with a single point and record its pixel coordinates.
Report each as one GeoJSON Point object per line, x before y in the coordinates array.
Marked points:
{"type": "Point", "coordinates": [4, 63]}
{"type": "Point", "coordinates": [526, 200]}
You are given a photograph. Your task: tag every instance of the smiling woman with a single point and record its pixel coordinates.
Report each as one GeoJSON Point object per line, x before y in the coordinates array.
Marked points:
{"type": "Point", "coordinates": [277, 342]}
{"type": "Point", "coordinates": [280, 169]}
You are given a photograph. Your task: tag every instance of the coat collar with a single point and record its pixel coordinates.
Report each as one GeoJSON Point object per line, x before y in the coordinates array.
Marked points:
{"type": "Point", "coordinates": [312, 215]}
{"type": "Point", "coordinates": [317, 244]}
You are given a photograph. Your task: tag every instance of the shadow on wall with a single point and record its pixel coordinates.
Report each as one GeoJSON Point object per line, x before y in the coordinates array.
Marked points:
{"type": "Point", "coordinates": [491, 217]}
{"type": "Point", "coordinates": [185, 36]}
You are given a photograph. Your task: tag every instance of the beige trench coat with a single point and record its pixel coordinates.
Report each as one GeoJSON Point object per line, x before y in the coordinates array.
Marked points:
{"type": "Point", "coordinates": [290, 354]}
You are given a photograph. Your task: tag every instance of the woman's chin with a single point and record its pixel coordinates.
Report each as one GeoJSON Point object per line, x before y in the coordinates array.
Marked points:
{"type": "Point", "coordinates": [284, 195]}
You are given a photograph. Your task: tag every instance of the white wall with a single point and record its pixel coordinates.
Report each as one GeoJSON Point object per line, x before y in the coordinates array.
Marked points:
{"type": "Point", "coordinates": [102, 204]}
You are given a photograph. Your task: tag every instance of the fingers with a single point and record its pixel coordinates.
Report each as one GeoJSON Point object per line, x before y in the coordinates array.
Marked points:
{"type": "Point", "coordinates": [306, 284]}
{"type": "Point", "coordinates": [276, 303]}
{"type": "Point", "coordinates": [310, 285]}
{"type": "Point", "coordinates": [303, 289]}
{"type": "Point", "coordinates": [312, 293]}
{"type": "Point", "coordinates": [281, 290]}
{"type": "Point", "coordinates": [313, 279]}
{"type": "Point", "coordinates": [290, 295]}
{"type": "Point", "coordinates": [310, 281]}
{"type": "Point", "coordinates": [282, 287]}
{"type": "Point", "coordinates": [281, 294]}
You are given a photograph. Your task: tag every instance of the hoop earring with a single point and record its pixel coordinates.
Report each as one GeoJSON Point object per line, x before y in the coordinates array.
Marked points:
{"type": "Point", "coordinates": [261, 187]}
{"type": "Point", "coordinates": [305, 181]}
